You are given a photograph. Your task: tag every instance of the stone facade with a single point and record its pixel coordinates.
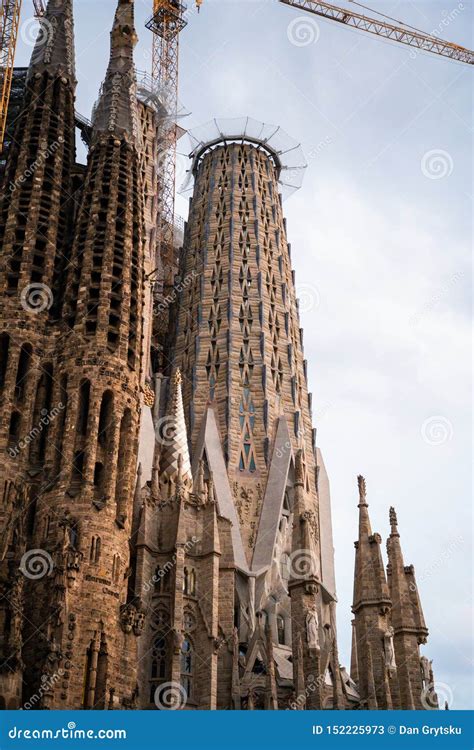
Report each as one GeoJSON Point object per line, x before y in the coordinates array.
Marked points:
{"type": "Point", "coordinates": [165, 524]}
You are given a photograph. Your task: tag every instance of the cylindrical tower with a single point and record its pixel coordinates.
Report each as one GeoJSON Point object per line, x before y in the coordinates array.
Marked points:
{"type": "Point", "coordinates": [35, 235]}
{"type": "Point", "coordinates": [84, 516]}
{"type": "Point", "coordinates": [239, 342]}
{"type": "Point", "coordinates": [239, 347]}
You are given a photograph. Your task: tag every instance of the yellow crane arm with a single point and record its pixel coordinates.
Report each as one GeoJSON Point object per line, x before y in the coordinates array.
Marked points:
{"type": "Point", "coordinates": [9, 21]}
{"type": "Point", "coordinates": [412, 37]}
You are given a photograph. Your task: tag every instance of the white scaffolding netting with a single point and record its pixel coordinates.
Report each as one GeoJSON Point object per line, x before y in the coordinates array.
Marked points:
{"type": "Point", "coordinates": [286, 153]}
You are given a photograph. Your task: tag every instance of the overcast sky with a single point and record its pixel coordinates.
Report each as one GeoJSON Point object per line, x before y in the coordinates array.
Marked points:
{"type": "Point", "coordinates": [380, 235]}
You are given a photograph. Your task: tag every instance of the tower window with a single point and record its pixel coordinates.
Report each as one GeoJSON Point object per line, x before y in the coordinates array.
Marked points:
{"type": "Point", "coordinates": [96, 545]}
{"type": "Point", "coordinates": [14, 429]}
{"type": "Point", "coordinates": [4, 347]}
{"type": "Point", "coordinates": [83, 414]}
{"type": "Point", "coordinates": [24, 366]}
{"type": "Point", "coordinates": [187, 667]}
{"type": "Point", "coordinates": [281, 630]}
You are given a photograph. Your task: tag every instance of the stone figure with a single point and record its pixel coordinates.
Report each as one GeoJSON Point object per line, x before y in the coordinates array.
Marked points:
{"type": "Point", "coordinates": [389, 649]}
{"type": "Point", "coordinates": [127, 617]}
{"type": "Point", "coordinates": [425, 666]}
{"type": "Point", "coordinates": [312, 628]}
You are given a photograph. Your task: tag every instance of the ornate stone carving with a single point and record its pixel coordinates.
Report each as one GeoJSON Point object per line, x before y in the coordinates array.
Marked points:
{"type": "Point", "coordinates": [312, 628]}
{"type": "Point", "coordinates": [148, 396]}
{"type": "Point", "coordinates": [139, 623]}
{"type": "Point", "coordinates": [426, 670]}
{"type": "Point", "coordinates": [389, 649]}
{"type": "Point", "coordinates": [128, 613]}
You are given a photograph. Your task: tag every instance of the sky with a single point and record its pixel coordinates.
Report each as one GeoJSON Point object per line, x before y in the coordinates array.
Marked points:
{"type": "Point", "coordinates": [381, 245]}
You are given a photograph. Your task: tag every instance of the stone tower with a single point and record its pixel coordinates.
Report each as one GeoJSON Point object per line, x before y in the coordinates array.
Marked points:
{"type": "Point", "coordinates": [388, 625]}
{"type": "Point", "coordinates": [165, 514]}
{"type": "Point", "coordinates": [77, 478]}
{"type": "Point", "coordinates": [251, 472]}
{"type": "Point", "coordinates": [35, 234]}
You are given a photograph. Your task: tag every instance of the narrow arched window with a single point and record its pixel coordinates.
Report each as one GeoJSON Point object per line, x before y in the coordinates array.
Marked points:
{"type": "Point", "coordinates": [281, 630]}
{"type": "Point", "coordinates": [161, 579]}
{"type": "Point", "coordinates": [4, 347]}
{"type": "Point", "coordinates": [116, 565]}
{"type": "Point", "coordinates": [187, 667]}
{"type": "Point", "coordinates": [95, 551]}
{"type": "Point", "coordinates": [24, 367]}
{"type": "Point", "coordinates": [159, 667]}
{"type": "Point", "coordinates": [83, 414]}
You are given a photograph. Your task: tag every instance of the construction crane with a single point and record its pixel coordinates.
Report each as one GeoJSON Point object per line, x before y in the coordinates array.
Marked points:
{"type": "Point", "coordinates": [166, 24]}
{"type": "Point", "coordinates": [404, 35]}
{"type": "Point", "coordinates": [9, 23]}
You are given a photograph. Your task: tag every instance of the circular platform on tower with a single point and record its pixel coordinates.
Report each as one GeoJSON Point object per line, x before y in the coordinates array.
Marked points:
{"type": "Point", "coordinates": [286, 153]}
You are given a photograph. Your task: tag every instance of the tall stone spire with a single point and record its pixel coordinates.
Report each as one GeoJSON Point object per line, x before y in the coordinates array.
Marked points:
{"type": "Point", "coordinates": [99, 364]}
{"type": "Point", "coordinates": [407, 620]}
{"type": "Point", "coordinates": [371, 608]}
{"type": "Point", "coordinates": [54, 48]}
{"type": "Point", "coordinates": [116, 110]}
{"type": "Point", "coordinates": [369, 576]}
{"type": "Point", "coordinates": [34, 217]}
{"type": "Point", "coordinates": [175, 439]}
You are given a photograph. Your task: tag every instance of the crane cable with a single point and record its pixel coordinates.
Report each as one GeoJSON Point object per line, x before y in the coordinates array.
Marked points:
{"type": "Point", "coordinates": [395, 20]}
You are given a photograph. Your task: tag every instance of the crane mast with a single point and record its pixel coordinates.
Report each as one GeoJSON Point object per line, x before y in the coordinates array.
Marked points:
{"type": "Point", "coordinates": [9, 22]}
{"type": "Point", "coordinates": [166, 24]}
{"type": "Point", "coordinates": [407, 35]}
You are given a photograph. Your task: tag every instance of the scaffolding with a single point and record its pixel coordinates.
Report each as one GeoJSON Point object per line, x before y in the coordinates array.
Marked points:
{"type": "Point", "coordinates": [166, 24]}
{"type": "Point", "coordinates": [286, 153]}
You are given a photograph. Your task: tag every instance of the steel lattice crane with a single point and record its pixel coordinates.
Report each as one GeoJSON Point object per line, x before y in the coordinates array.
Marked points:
{"type": "Point", "coordinates": [9, 23]}
{"type": "Point", "coordinates": [166, 24]}
{"type": "Point", "coordinates": [402, 34]}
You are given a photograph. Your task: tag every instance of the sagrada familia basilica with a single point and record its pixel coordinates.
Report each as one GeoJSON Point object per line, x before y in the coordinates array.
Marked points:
{"type": "Point", "coordinates": [165, 518]}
